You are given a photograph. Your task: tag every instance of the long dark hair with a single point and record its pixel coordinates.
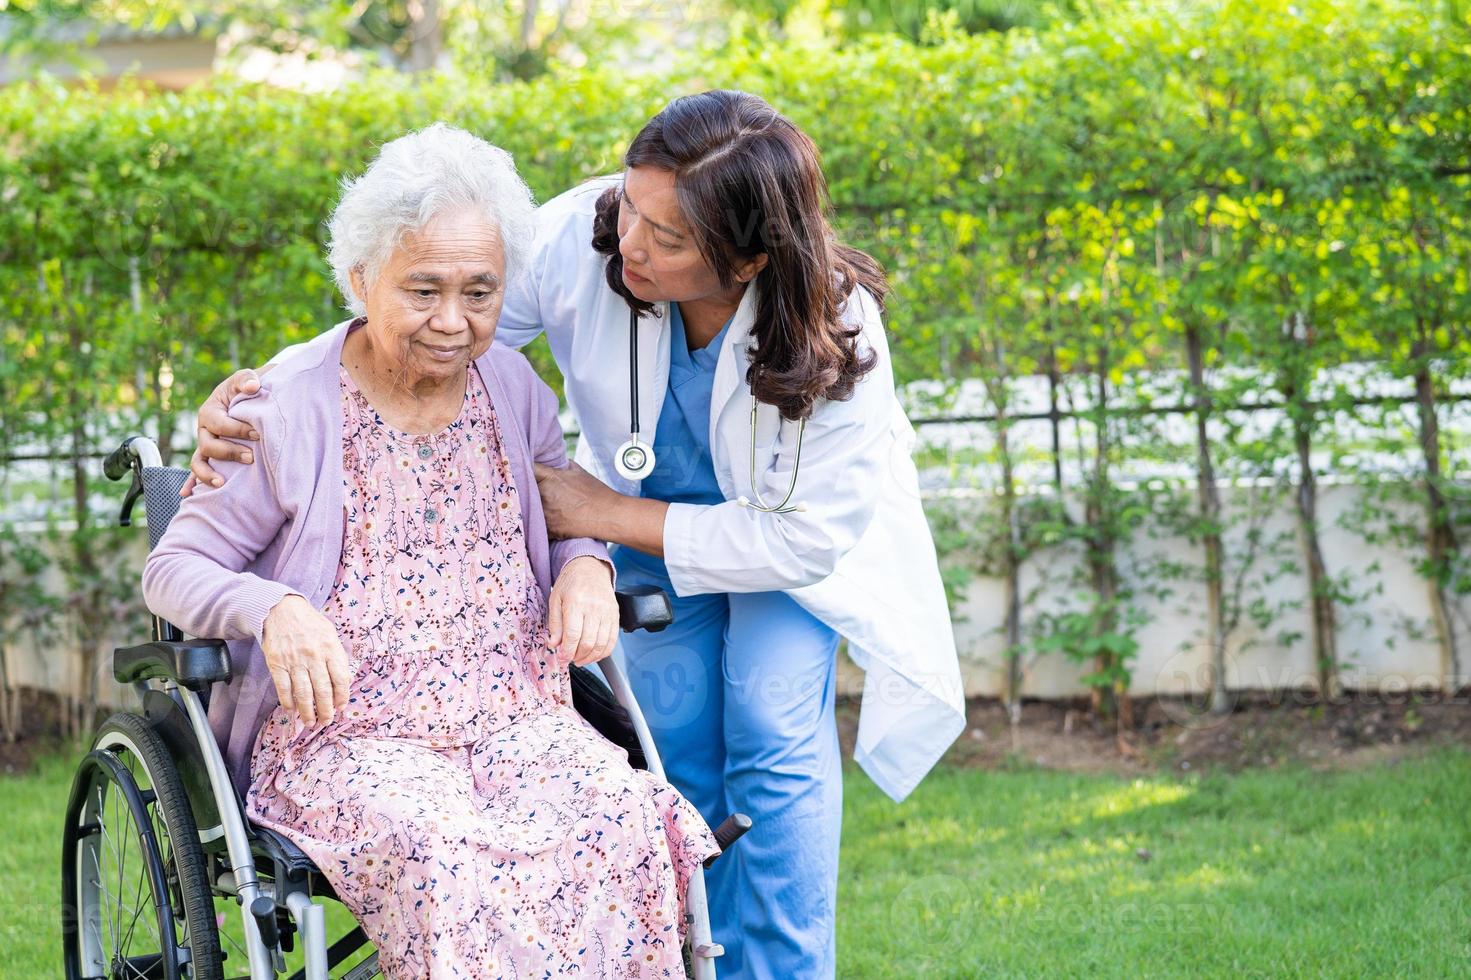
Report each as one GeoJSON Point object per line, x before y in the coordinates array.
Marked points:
{"type": "Point", "coordinates": [748, 182]}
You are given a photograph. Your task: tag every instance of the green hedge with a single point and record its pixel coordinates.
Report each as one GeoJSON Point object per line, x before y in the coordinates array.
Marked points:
{"type": "Point", "coordinates": [954, 162]}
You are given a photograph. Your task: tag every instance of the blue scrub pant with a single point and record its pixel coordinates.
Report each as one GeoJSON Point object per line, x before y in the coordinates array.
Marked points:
{"type": "Point", "coordinates": [739, 696]}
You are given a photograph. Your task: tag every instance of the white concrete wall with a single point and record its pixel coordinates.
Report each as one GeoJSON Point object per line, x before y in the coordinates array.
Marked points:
{"type": "Point", "coordinates": [1378, 641]}
{"type": "Point", "coordinates": [1386, 642]}
{"type": "Point", "coordinates": [57, 666]}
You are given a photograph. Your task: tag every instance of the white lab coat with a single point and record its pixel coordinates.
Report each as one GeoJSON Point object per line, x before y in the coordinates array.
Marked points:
{"type": "Point", "coordinates": [860, 558]}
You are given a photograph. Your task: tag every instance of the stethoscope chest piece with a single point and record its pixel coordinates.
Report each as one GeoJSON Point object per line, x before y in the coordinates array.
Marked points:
{"type": "Point", "coordinates": [634, 460]}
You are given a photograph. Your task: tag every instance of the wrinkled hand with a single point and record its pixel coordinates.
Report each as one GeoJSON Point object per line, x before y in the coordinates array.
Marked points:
{"type": "Point", "coordinates": [583, 614]}
{"type": "Point", "coordinates": [573, 500]}
{"type": "Point", "coordinates": [306, 660]}
{"type": "Point", "coordinates": [215, 428]}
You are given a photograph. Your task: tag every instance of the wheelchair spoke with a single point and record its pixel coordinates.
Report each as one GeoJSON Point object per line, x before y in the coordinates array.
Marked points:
{"type": "Point", "coordinates": [227, 936]}
{"type": "Point", "coordinates": [122, 872]}
{"type": "Point", "coordinates": [112, 933]}
{"type": "Point", "coordinates": [122, 885]}
{"type": "Point", "coordinates": [167, 858]}
{"type": "Point", "coordinates": [137, 901]}
{"type": "Point", "coordinates": [119, 918]}
{"type": "Point", "coordinates": [112, 911]}
{"type": "Point", "coordinates": [96, 881]}
{"type": "Point", "coordinates": [121, 941]}
{"type": "Point", "coordinates": [137, 910]}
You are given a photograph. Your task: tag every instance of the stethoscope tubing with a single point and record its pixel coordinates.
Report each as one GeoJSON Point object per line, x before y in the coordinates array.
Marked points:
{"type": "Point", "coordinates": [635, 461]}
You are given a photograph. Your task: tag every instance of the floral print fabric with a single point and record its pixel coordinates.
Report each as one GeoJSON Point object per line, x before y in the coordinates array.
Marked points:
{"type": "Point", "coordinates": [472, 821]}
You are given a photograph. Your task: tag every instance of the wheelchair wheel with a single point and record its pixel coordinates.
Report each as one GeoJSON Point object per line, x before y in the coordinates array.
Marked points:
{"type": "Point", "coordinates": [135, 894]}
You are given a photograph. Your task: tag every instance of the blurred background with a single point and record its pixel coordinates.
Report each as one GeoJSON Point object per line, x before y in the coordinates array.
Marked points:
{"type": "Point", "coordinates": [1180, 288]}
{"type": "Point", "coordinates": [1180, 311]}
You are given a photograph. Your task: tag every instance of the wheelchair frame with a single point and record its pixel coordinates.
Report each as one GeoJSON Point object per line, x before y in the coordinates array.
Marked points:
{"type": "Point", "coordinates": [169, 674]}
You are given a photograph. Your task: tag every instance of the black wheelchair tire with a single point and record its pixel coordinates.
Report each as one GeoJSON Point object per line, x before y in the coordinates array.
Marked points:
{"type": "Point", "coordinates": [177, 880]}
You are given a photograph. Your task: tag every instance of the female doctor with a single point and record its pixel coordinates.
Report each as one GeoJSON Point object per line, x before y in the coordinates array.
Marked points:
{"type": "Point", "coordinates": [743, 447]}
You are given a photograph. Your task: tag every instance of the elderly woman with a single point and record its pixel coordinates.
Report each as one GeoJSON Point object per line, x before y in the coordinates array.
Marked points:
{"type": "Point", "coordinates": [402, 706]}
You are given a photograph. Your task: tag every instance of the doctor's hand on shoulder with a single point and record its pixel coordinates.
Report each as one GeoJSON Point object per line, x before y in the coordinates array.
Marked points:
{"type": "Point", "coordinates": [579, 505]}
{"type": "Point", "coordinates": [216, 428]}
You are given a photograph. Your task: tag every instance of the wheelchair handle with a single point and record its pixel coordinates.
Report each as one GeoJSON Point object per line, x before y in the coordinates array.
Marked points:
{"type": "Point", "coordinates": [730, 830]}
{"type": "Point", "coordinates": [133, 455]}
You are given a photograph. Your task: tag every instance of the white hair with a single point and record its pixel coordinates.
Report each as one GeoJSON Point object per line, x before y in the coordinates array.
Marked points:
{"type": "Point", "coordinates": [414, 179]}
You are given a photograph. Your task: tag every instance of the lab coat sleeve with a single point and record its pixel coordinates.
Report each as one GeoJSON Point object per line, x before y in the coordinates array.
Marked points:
{"type": "Point", "coordinates": [520, 320]}
{"type": "Point", "coordinates": [550, 448]}
{"type": "Point", "coordinates": [729, 548]}
{"type": "Point", "coordinates": [561, 248]}
{"type": "Point", "coordinates": [558, 226]}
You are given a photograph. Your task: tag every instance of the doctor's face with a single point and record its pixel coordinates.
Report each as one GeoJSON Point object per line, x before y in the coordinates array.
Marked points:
{"type": "Point", "coordinates": [661, 261]}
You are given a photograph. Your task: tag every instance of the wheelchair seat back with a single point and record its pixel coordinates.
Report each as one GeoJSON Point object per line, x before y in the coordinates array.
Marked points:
{"type": "Point", "coordinates": [161, 486]}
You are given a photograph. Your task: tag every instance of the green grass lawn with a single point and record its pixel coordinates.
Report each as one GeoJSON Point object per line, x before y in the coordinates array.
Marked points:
{"type": "Point", "coordinates": [1033, 873]}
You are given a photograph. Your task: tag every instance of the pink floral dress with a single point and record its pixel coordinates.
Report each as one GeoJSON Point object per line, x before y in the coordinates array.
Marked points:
{"type": "Point", "coordinates": [472, 821]}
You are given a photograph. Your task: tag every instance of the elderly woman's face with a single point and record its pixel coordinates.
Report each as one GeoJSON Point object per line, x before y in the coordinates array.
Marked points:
{"type": "Point", "coordinates": [436, 300]}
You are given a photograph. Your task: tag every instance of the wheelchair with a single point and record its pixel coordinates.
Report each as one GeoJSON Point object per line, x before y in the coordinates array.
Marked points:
{"type": "Point", "coordinates": [157, 848]}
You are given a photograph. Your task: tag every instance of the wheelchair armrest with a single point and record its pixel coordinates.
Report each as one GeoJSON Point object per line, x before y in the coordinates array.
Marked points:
{"type": "Point", "coordinates": [644, 607]}
{"type": "Point", "coordinates": [195, 664]}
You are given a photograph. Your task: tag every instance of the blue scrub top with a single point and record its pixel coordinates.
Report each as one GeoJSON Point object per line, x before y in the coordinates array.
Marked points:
{"type": "Point", "coordinates": [683, 470]}
{"type": "Point", "coordinates": [695, 681]}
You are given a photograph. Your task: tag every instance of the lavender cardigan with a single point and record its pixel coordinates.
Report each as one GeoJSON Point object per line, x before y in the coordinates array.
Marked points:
{"type": "Point", "coordinates": [275, 528]}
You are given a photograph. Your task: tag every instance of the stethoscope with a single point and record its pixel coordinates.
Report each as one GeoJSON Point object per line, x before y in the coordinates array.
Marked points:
{"type": "Point", "coordinates": [634, 460]}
